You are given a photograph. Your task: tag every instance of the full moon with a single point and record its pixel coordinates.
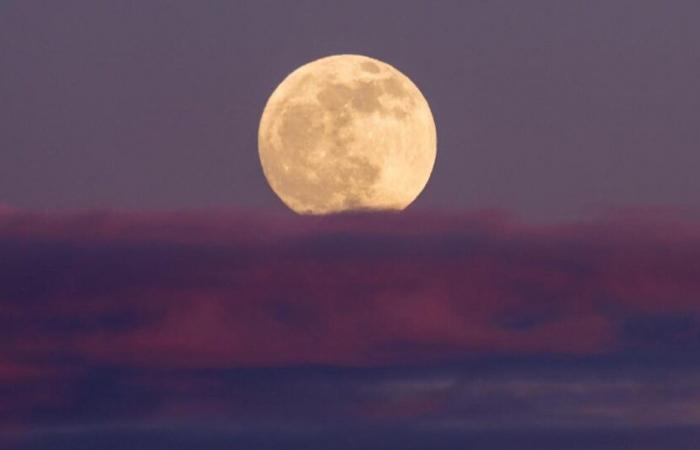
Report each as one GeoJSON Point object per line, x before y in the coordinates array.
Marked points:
{"type": "Point", "coordinates": [347, 133]}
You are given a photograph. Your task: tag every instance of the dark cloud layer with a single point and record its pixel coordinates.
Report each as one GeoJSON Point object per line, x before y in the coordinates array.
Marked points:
{"type": "Point", "coordinates": [231, 330]}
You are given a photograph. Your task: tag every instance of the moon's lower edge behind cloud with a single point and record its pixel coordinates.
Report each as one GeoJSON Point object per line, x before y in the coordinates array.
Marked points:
{"type": "Point", "coordinates": [347, 133]}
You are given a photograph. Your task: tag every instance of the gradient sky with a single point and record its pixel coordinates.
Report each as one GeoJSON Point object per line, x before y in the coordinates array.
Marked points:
{"type": "Point", "coordinates": [542, 293]}
{"type": "Point", "coordinates": [547, 109]}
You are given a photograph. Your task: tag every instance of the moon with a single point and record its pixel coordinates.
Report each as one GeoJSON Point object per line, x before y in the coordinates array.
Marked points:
{"type": "Point", "coordinates": [347, 133]}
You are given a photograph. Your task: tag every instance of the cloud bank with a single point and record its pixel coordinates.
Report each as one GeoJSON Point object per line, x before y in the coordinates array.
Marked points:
{"type": "Point", "coordinates": [112, 318]}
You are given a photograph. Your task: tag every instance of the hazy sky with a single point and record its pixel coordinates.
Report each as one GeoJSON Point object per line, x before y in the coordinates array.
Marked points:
{"type": "Point", "coordinates": [543, 108]}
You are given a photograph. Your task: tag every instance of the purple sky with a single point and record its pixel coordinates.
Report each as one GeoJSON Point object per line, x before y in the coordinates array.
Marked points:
{"type": "Point", "coordinates": [542, 293]}
{"type": "Point", "coordinates": [547, 109]}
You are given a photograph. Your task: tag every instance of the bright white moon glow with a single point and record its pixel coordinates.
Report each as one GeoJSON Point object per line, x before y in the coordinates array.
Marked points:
{"type": "Point", "coordinates": [344, 133]}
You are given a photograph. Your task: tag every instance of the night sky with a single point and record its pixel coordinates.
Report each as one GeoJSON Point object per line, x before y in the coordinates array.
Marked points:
{"type": "Point", "coordinates": [542, 293]}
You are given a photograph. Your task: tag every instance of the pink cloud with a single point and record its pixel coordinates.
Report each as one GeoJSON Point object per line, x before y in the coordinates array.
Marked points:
{"type": "Point", "coordinates": [221, 290]}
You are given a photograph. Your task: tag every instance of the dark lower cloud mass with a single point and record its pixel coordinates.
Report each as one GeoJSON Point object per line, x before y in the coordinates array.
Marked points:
{"type": "Point", "coordinates": [243, 331]}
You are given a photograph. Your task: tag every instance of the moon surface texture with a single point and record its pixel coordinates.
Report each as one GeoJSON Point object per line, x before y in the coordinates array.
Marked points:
{"type": "Point", "coordinates": [347, 133]}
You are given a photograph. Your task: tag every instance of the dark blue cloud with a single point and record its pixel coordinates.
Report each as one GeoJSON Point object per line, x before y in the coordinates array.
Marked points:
{"type": "Point", "coordinates": [501, 404]}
